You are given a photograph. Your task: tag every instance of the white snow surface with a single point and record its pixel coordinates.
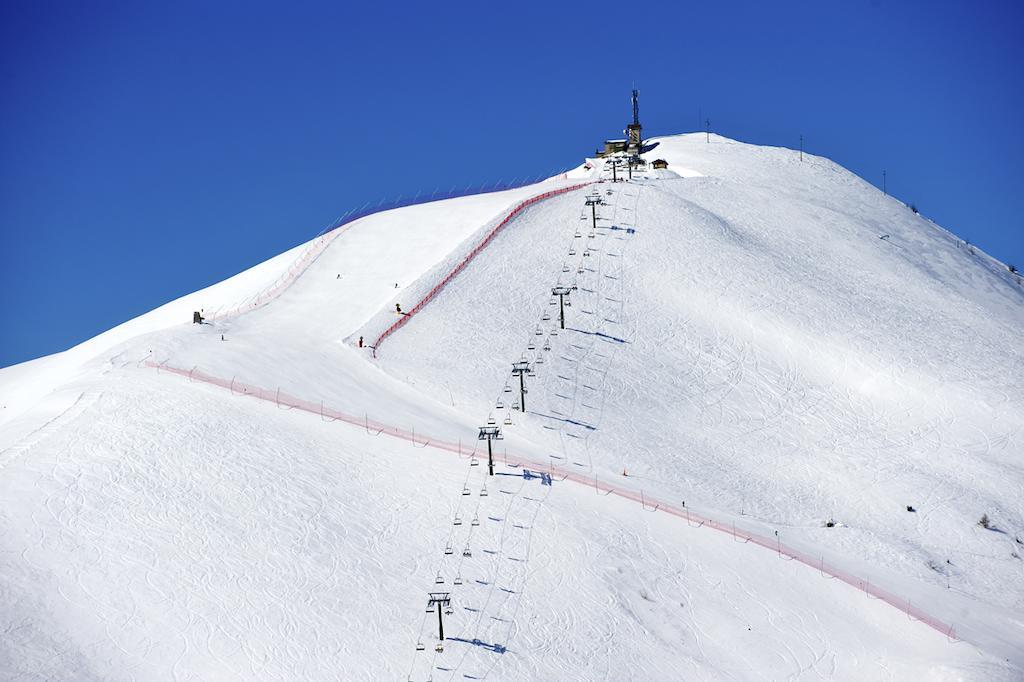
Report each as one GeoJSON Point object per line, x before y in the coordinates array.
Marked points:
{"type": "Point", "coordinates": [772, 341]}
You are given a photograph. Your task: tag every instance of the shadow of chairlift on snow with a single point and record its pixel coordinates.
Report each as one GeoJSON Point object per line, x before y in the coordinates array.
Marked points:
{"type": "Point", "coordinates": [600, 335]}
{"type": "Point", "coordinates": [496, 648]}
{"type": "Point", "coordinates": [545, 478]}
{"type": "Point", "coordinates": [567, 421]}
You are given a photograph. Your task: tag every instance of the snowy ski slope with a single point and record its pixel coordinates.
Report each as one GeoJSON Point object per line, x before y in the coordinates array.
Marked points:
{"type": "Point", "coordinates": [745, 358]}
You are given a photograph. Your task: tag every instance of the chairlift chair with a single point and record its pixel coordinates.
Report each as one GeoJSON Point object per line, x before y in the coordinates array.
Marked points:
{"type": "Point", "coordinates": [419, 646]}
{"type": "Point", "coordinates": [466, 553]}
{"type": "Point", "coordinates": [515, 405]}
{"type": "Point", "coordinates": [439, 648]}
{"type": "Point", "coordinates": [465, 491]}
{"type": "Point", "coordinates": [508, 420]}
{"type": "Point", "coordinates": [448, 550]}
{"type": "Point", "coordinates": [572, 252]}
{"type": "Point", "coordinates": [457, 521]}
{"type": "Point", "coordinates": [498, 406]}
{"type": "Point", "coordinates": [530, 346]}
{"type": "Point", "coordinates": [545, 317]}
{"type": "Point", "coordinates": [473, 462]}
{"type": "Point", "coordinates": [475, 521]}
{"type": "Point", "coordinates": [438, 580]}
{"type": "Point", "coordinates": [458, 580]}
{"type": "Point", "coordinates": [565, 268]}
{"type": "Point", "coordinates": [508, 389]}
{"type": "Point", "coordinates": [483, 491]}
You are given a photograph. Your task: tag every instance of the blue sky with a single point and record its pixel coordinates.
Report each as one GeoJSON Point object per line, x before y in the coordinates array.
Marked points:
{"type": "Point", "coordinates": [151, 149]}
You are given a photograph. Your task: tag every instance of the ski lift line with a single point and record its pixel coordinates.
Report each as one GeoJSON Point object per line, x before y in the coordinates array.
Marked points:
{"type": "Point", "coordinates": [314, 408]}
{"type": "Point", "coordinates": [519, 208]}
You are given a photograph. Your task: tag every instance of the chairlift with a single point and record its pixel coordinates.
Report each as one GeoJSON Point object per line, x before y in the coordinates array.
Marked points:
{"type": "Point", "coordinates": [539, 332]}
{"type": "Point", "coordinates": [498, 406]}
{"type": "Point", "coordinates": [448, 611]}
{"type": "Point", "coordinates": [419, 646]}
{"type": "Point", "coordinates": [508, 420]}
{"type": "Point", "coordinates": [490, 419]}
{"type": "Point", "coordinates": [577, 235]}
{"type": "Point", "coordinates": [591, 235]}
{"type": "Point", "coordinates": [439, 648]}
{"type": "Point", "coordinates": [483, 491]}
{"type": "Point", "coordinates": [530, 346]}
{"type": "Point", "coordinates": [475, 521]}
{"type": "Point", "coordinates": [580, 271]}
{"type": "Point", "coordinates": [515, 405]}
{"type": "Point", "coordinates": [458, 580]}
{"type": "Point", "coordinates": [438, 580]}
{"type": "Point", "coordinates": [465, 491]}
{"type": "Point", "coordinates": [466, 553]}
{"type": "Point", "coordinates": [508, 389]}
{"type": "Point", "coordinates": [565, 268]}
{"type": "Point", "coordinates": [473, 462]}
{"type": "Point", "coordinates": [457, 521]}
{"type": "Point", "coordinates": [554, 332]}
{"type": "Point", "coordinates": [547, 346]}
{"type": "Point", "coordinates": [448, 550]}
{"type": "Point", "coordinates": [545, 317]}
{"type": "Point", "coordinates": [572, 252]}
{"type": "Point", "coordinates": [539, 360]}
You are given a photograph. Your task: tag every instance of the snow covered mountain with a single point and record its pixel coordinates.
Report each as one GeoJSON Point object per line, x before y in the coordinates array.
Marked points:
{"type": "Point", "coordinates": [759, 449]}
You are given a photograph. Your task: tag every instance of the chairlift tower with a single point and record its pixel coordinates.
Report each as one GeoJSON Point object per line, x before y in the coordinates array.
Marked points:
{"type": "Point", "coordinates": [521, 368]}
{"type": "Point", "coordinates": [443, 601]}
{"type": "Point", "coordinates": [561, 293]}
{"type": "Point", "coordinates": [593, 201]}
{"type": "Point", "coordinates": [490, 433]}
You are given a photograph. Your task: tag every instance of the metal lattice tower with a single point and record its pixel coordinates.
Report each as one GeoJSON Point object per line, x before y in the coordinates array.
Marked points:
{"type": "Point", "coordinates": [636, 107]}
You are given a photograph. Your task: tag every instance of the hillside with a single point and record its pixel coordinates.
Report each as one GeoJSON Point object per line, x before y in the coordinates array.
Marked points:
{"type": "Point", "coordinates": [765, 363]}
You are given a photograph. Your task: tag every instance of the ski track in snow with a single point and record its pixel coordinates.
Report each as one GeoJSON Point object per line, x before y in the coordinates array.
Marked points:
{"type": "Point", "coordinates": [181, 534]}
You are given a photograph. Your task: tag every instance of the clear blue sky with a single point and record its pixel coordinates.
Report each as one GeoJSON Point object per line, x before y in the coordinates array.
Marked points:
{"type": "Point", "coordinates": [148, 149]}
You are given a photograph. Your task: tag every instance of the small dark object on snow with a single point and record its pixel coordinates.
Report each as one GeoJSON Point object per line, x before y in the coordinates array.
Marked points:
{"type": "Point", "coordinates": [830, 523]}
{"type": "Point", "coordinates": [984, 522]}
{"type": "Point", "coordinates": [398, 309]}
{"type": "Point", "coordinates": [221, 337]}
{"type": "Point", "coordinates": [197, 317]}
{"type": "Point", "coordinates": [360, 342]}
{"type": "Point", "coordinates": [910, 508]}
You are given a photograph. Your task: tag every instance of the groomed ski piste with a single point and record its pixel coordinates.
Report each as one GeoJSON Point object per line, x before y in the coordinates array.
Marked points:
{"type": "Point", "coordinates": [766, 362]}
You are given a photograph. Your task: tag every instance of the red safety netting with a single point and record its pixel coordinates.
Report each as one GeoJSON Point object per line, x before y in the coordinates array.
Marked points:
{"type": "Point", "coordinates": [469, 257]}
{"type": "Point", "coordinates": [286, 401]}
